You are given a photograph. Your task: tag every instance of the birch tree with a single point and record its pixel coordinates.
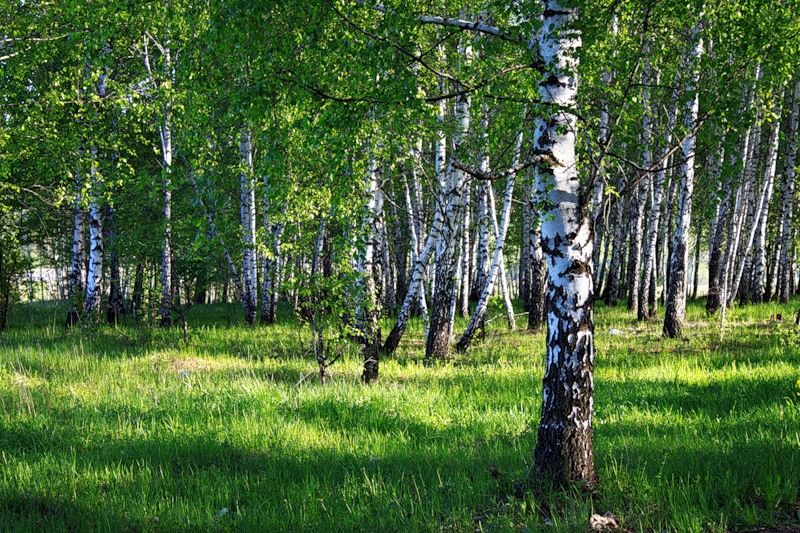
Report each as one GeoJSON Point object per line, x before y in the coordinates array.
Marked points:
{"type": "Point", "coordinates": [676, 298]}
{"type": "Point", "coordinates": [564, 448]}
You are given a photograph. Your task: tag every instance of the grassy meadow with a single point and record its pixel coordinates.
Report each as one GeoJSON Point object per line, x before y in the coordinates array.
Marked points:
{"type": "Point", "coordinates": [109, 429]}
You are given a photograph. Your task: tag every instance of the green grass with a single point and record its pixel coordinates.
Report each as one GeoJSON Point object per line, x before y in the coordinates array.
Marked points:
{"type": "Point", "coordinates": [100, 431]}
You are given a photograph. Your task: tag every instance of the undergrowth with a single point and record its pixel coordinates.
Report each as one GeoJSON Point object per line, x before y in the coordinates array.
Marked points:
{"type": "Point", "coordinates": [104, 429]}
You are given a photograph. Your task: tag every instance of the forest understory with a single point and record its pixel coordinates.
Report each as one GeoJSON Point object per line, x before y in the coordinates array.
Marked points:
{"type": "Point", "coordinates": [119, 429]}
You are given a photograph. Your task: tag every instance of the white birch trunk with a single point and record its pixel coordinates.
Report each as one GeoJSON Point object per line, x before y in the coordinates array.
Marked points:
{"type": "Point", "coordinates": [564, 448]}
{"type": "Point", "coordinates": [649, 266]}
{"type": "Point", "coordinates": [248, 221]}
{"type": "Point", "coordinates": [438, 342]}
{"type": "Point", "coordinates": [676, 295]}
{"type": "Point", "coordinates": [368, 312]}
{"type": "Point", "coordinates": [495, 268]}
{"type": "Point", "coordinates": [760, 246]}
{"type": "Point", "coordinates": [77, 271]}
{"type": "Point", "coordinates": [634, 279]}
{"type": "Point", "coordinates": [94, 276]}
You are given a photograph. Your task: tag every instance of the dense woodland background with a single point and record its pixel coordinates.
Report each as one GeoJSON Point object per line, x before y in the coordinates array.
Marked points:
{"type": "Point", "coordinates": [369, 163]}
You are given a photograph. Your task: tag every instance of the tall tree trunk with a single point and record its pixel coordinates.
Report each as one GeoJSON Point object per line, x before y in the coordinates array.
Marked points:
{"type": "Point", "coordinates": [564, 448]}
{"type": "Point", "coordinates": [466, 277]}
{"type": "Point", "coordinates": [717, 234]}
{"type": "Point", "coordinates": [760, 247]}
{"type": "Point", "coordinates": [676, 298]}
{"type": "Point", "coordinates": [647, 307]}
{"type": "Point", "coordinates": [787, 202]}
{"type": "Point", "coordinates": [166, 151]}
{"type": "Point", "coordinates": [482, 256]}
{"type": "Point", "coordinates": [248, 220]}
{"type": "Point", "coordinates": [369, 311]}
{"type": "Point", "coordinates": [77, 272]}
{"type": "Point", "coordinates": [526, 249]}
{"type": "Point", "coordinates": [696, 273]}
{"type": "Point", "coordinates": [637, 231]}
{"type": "Point", "coordinates": [94, 277]}
{"type": "Point", "coordinates": [438, 341]}
{"type": "Point", "coordinates": [480, 311]}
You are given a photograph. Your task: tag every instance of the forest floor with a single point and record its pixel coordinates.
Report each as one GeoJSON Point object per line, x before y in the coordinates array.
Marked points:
{"type": "Point", "coordinates": [124, 430]}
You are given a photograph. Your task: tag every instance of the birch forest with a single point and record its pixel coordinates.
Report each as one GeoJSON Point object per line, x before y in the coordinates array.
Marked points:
{"type": "Point", "coordinates": [379, 194]}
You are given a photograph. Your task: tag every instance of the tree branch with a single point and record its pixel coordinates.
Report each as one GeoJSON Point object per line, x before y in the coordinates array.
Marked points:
{"type": "Point", "coordinates": [500, 175]}
{"type": "Point", "coordinates": [467, 25]}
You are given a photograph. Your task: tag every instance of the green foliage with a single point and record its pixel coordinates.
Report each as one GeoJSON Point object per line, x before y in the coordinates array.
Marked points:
{"type": "Point", "coordinates": [105, 433]}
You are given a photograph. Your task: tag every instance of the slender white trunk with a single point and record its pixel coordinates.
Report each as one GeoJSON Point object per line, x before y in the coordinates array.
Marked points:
{"type": "Point", "coordinates": [634, 279]}
{"type": "Point", "coordinates": [248, 221]}
{"type": "Point", "coordinates": [77, 272]}
{"type": "Point", "coordinates": [438, 341]}
{"type": "Point", "coordinates": [676, 296]}
{"type": "Point", "coordinates": [415, 244]}
{"type": "Point", "coordinates": [645, 309]}
{"type": "Point", "coordinates": [760, 247]}
{"type": "Point", "coordinates": [94, 277]}
{"type": "Point", "coordinates": [496, 267]}
{"type": "Point", "coordinates": [368, 312]}
{"type": "Point", "coordinates": [466, 277]}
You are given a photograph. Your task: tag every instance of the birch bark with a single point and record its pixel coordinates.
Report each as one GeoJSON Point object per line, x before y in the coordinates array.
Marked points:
{"type": "Point", "coordinates": [760, 247]}
{"type": "Point", "coordinates": [77, 271]}
{"type": "Point", "coordinates": [676, 296]}
{"type": "Point", "coordinates": [787, 202]}
{"type": "Point", "coordinates": [248, 221]}
{"type": "Point", "coordinates": [564, 448]}
{"type": "Point", "coordinates": [438, 342]}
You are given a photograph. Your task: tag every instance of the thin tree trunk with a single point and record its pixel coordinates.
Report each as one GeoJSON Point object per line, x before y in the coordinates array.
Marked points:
{"type": "Point", "coordinates": [717, 235]}
{"type": "Point", "coordinates": [504, 289]}
{"type": "Point", "coordinates": [270, 284]}
{"type": "Point", "coordinates": [696, 273]}
{"type": "Point", "coordinates": [759, 255]}
{"type": "Point", "coordinates": [612, 285]}
{"type": "Point", "coordinates": [637, 231]}
{"type": "Point", "coordinates": [77, 272]}
{"type": "Point", "coordinates": [115, 305]}
{"type": "Point", "coordinates": [647, 308]}
{"type": "Point", "coordinates": [676, 298]}
{"type": "Point", "coordinates": [466, 277]}
{"type": "Point", "coordinates": [369, 310]}
{"type": "Point", "coordinates": [94, 276]}
{"type": "Point", "coordinates": [497, 261]}
{"type": "Point", "coordinates": [248, 220]}
{"type": "Point", "coordinates": [787, 202]}
{"type": "Point", "coordinates": [438, 341]}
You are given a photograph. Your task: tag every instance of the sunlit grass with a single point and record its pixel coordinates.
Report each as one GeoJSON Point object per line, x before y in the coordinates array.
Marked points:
{"type": "Point", "coordinates": [101, 430]}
